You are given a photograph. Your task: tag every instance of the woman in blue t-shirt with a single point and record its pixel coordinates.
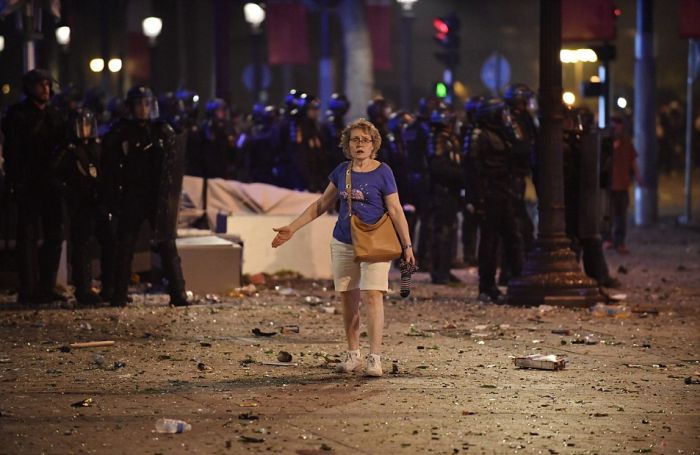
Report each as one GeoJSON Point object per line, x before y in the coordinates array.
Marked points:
{"type": "Point", "coordinates": [373, 193]}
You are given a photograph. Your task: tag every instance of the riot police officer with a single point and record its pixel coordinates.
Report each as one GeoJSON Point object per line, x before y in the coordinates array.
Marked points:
{"type": "Point", "coordinates": [218, 140]}
{"type": "Point", "coordinates": [260, 147]}
{"type": "Point", "coordinates": [581, 195]}
{"type": "Point", "coordinates": [78, 164]}
{"type": "Point", "coordinates": [332, 129]}
{"type": "Point", "coordinates": [144, 166]}
{"type": "Point", "coordinates": [494, 197]}
{"type": "Point", "coordinates": [447, 182]}
{"type": "Point", "coordinates": [378, 112]}
{"type": "Point", "coordinates": [33, 129]}
{"type": "Point", "coordinates": [308, 151]}
{"type": "Point", "coordinates": [470, 222]}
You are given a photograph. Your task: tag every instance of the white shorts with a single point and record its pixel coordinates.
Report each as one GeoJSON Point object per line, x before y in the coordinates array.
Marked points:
{"type": "Point", "coordinates": [349, 275]}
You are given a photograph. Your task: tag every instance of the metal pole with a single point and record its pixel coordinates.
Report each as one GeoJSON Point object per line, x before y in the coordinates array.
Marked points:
{"type": "Point", "coordinates": [551, 274]}
{"type": "Point", "coordinates": [255, 37]}
{"type": "Point", "coordinates": [689, 132]}
{"type": "Point", "coordinates": [406, 81]}
{"type": "Point", "coordinates": [645, 196]}
{"type": "Point", "coordinates": [325, 67]}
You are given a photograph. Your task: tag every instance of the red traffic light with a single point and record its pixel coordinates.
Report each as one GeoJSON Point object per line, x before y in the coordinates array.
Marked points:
{"type": "Point", "coordinates": [441, 26]}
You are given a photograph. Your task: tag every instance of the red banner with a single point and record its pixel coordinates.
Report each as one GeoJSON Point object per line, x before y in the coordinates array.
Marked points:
{"type": "Point", "coordinates": [287, 34]}
{"type": "Point", "coordinates": [379, 22]}
{"type": "Point", "coordinates": [590, 20]}
{"type": "Point", "coordinates": [689, 24]}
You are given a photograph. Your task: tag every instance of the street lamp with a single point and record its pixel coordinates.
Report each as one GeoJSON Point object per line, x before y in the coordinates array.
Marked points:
{"type": "Point", "coordinates": [152, 26]}
{"type": "Point", "coordinates": [2, 43]}
{"type": "Point", "coordinates": [406, 81]}
{"type": "Point", "coordinates": [622, 102]}
{"type": "Point", "coordinates": [255, 15]}
{"type": "Point", "coordinates": [114, 65]}
{"type": "Point", "coordinates": [63, 36]}
{"type": "Point", "coordinates": [97, 65]}
{"type": "Point", "coordinates": [569, 98]}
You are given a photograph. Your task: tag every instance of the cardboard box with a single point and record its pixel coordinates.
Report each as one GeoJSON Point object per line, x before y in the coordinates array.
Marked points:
{"type": "Point", "coordinates": [211, 265]}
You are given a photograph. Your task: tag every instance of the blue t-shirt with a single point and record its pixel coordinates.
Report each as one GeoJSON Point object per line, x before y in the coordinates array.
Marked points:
{"type": "Point", "coordinates": [368, 191]}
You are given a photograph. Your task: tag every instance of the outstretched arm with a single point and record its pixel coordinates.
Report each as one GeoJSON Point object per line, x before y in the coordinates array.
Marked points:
{"type": "Point", "coordinates": [318, 208]}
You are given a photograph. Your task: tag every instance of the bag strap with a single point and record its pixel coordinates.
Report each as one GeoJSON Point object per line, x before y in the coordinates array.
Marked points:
{"type": "Point", "coordinates": [348, 187]}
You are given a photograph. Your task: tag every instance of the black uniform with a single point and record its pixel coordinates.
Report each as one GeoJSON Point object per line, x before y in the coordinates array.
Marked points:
{"type": "Point", "coordinates": [416, 138]}
{"type": "Point", "coordinates": [495, 197]}
{"type": "Point", "coordinates": [31, 138]}
{"type": "Point", "coordinates": [136, 156]}
{"type": "Point", "coordinates": [79, 164]}
{"type": "Point", "coordinates": [447, 182]}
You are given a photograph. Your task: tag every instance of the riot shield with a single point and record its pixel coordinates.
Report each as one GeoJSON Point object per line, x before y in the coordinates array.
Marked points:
{"type": "Point", "coordinates": [170, 188]}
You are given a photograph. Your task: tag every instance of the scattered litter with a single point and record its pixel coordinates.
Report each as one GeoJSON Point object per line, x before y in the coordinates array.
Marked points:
{"type": "Point", "coordinates": [561, 332]}
{"type": "Point", "coordinates": [258, 279]}
{"type": "Point", "coordinates": [99, 360]}
{"type": "Point", "coordinates": [601, 310]}
{"type": "Point", "coordinates": [83, 404]}
{"type": "Point", "coordinates": [259, 333]}
{"type": "Point", "coordinates": [487, 386]}
{"type": "Point", "coordinates": [248, 416]}
{"type": "Point", "coordinates": [540, 362]}
{"type": "Point", "coordinates": [394, 368]}
{"type": "Point", "coordinates": [313, 300]}
{"type": "Point", "coordinates": [172, 426]}
{"type": "Point", "coordinates": [212, 298]}
{"type": "Point", "coordinates": [691, 380]}
{"type": "Point", "coordinates": [64, 348]}
{"type": "Point", "coordinates": [468, 413]}
{"type": "Point", "coordinates": [205, 344]}
{"type": "Point", "coordinates": [243, 291]}
{"type": "Point", "coordinates": [481, 327]}
{"type": "Point", "coordinates": [85, 326]}
{"type": "Point", "coordinates": [5, 360]}
{"type": "Point", "coordinates": [285, 291]}
{"type": "Point", "coordinates": [280, 364]}
{"type": "Point", "coordinates": [201, 366]}
{"type": "Point", "coordinates": [601, 414]}
{"type": "Point", "coordinates": [328, 309]}
{"type": "Point", "coordinates": [119, 364]}
{"type": "Point", "coordinates": [92, 344]}
{"type": "Point", "coordinates": [248, 405]}
{"type": "Point", "coordinates": [284, 356]}
{"type": "Point", "coordinates": [542, 309]}
{"type": "Point", "coordinates": [414, 331]}
{"type": "Point", "coordinates": [290, 329]}
{"type": "Point", "coordinates": [619, 297]}
{"type": "Point", "coordinates": [247, 361]}
{"type": "Point", "coordinates": [250, 439]}
{"type": "Point", "coordinates": [682, 268]}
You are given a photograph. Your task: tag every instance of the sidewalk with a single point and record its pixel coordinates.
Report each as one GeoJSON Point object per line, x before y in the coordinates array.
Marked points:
{"type": "Point", "coordinates": [455, 389]}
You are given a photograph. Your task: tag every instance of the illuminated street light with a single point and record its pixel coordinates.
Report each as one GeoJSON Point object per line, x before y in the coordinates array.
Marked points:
{"type": "Point", "coordinates": [63, 35]}
{"type": "Point", "coordinates": [406, 5]}
{"type": "Point", "coordinates": [114, 65]}
{"type": "Point", "coordinates": [97, 65]}
{"type": "Point", "coordinates": [2, 43]}
{"type": "Point", "coordinates": [622, 102]}
{"type": "Point", "coordinates": [151, 27]}
{"type": "Point", "coordinates": [254, 14]}
{"type": "Point", "coordinates": [569, 98]}
{"type": "Point", "coordinates": [577, 55]}
{"type": "Point", "coordinates": [595, 79]}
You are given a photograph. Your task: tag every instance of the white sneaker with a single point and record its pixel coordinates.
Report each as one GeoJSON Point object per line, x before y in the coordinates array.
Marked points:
{"type": "Point", "coordinates": [352, 362]}
{"type": "Point", "coordinates": [374, 366]}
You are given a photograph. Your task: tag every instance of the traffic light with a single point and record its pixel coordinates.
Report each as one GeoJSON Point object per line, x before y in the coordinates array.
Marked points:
{"type": "Point", "coordinates": [446, 34]}
{"type": "Point", "coordinates": [440, 90]}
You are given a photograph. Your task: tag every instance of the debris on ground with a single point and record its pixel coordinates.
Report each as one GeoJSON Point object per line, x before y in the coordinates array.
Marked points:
{"type": "Point", "coordinates": [201, 366]}
{"type": "Point", "coordinates": [290, 329]}
{"type": "Point", "coordinates": [258, 279]}
{"type": "Point", "coordinates": [601, 310]}
{"type": "Point", "coordinates": [284, 356]}
{"type": "Point", "coordinates": [540, 362]}
{"type": "Point", "coordinates": [92, 344]}
{"type": "Point", "coordinates": [250, 439]}
{"type": "Point", "coordinates": [259, 333]}
{"type": "Point", "coordinates": [83, 404]}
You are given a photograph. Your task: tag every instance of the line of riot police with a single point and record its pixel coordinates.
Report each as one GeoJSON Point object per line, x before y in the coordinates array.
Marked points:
{"type": "Point", "coordinates": [120, 163]}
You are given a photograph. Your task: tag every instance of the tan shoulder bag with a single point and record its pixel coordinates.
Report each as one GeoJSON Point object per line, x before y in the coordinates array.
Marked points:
{"type": "Point", "coordinates": [376, 242]}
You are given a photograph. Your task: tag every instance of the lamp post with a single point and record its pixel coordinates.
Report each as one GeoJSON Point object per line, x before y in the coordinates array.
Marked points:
{"type": "Point", "coordinates": [255, 15]}
{"type": "Point", "coordinates": [151, 27]}
{"type": "Point", "coordinates": [63, 39]}
{"type": "Point", "coordinates": [406, 81]}
{"type": "Point", "coordinates": [551, 274]}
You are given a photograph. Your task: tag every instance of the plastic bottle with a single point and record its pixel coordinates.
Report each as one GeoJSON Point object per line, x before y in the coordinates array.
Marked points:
{"type": "Point", "coordinates": [172, 426]}
{"type": "Point", "coordinates": [602, 310]}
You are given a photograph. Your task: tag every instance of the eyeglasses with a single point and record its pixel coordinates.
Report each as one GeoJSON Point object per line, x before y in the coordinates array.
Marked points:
{"type": "Point", "coordinates": [360, 140]}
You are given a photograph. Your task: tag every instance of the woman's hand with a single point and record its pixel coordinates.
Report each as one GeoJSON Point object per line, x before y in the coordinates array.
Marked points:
{"type": "Point", "coordinates": [408, 256]}
{"type": "Point", "coordinates": [284, 233]}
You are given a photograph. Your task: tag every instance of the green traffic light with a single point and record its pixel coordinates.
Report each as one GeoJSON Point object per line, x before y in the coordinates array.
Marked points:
{"type": "Point", "coordinates": [440, 90]}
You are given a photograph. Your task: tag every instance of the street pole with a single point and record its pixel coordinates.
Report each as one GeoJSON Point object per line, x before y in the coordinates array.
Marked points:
{"type": "Point", "coordinates": [687, 218]}
{"type": "Point", "coordinates": [325, 65]}
{"type": "Point", "coordinates": [551, 274]}
{"type": "Point", "coordinates": [645, 196]}
{"type": "Point", "coordinates": [406, 64]}
{"type": "Point", "coordinates": [222, 63]}
{"type": "Point", "coordinates": [255, 38]}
